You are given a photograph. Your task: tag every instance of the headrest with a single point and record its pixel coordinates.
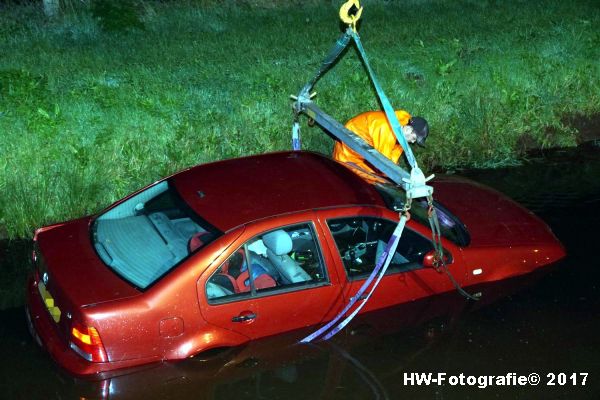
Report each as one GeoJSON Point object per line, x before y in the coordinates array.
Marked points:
{"type": "Point", "coordinates": [258, 247]}
{"type": "Point", "coordinates": [279, 242]}
{"type": "Point", "coordinates": [198, 240]}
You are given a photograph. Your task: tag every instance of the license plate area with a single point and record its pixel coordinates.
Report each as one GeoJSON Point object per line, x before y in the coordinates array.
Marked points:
{"type": "Point", "coordinates": [49, 302]}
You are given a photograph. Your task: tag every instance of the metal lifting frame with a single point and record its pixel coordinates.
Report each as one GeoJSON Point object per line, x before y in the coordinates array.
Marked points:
{"type": "Point", "coordinates": [414, 183]}
{"type": "Point", "coordinates": [304, 105]}
{"type": "Point", "coordinates": [396, 173]}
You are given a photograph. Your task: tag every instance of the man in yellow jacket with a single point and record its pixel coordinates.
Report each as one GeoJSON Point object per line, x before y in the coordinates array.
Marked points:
{"type": "Point", "coordinates": [375, 129]}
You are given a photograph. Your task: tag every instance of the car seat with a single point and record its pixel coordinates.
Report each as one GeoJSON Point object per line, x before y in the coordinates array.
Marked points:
{"type": "Point", "coordinates": [226, 276]}
{"type": "Point", "coordinates": [264, 262]}
{"type": "Point", "coordinates": [225, 281]}
{"type": "Point", "coordinates": [260, 276]}
{"type": "Point", "coordinates": [279, 244]}
{"type": "Point", "coordinates": [199, 240]}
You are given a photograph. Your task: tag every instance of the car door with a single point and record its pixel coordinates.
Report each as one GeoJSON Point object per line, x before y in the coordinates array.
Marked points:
{"type": "Point", "coordinates": [359, 235]}
{"type": "Point", "coordinates": [280, 279]}
{"type": "Point", "coordinates": [218, 304]}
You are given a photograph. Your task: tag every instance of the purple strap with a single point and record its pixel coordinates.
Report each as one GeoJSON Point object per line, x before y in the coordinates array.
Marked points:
{"type": "Point", "coordinates": [349, 318]}
{"type": "Point", "coordinates": [296, 144]}
{"type": "Point", "coordinates": [384, 261]}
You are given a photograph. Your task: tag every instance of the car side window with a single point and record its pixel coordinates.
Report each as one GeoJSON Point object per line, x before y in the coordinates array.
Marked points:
{"type": "Point", "coordinates": [361, 240]}
{"type": "Point", "coordinates": [282, 259]}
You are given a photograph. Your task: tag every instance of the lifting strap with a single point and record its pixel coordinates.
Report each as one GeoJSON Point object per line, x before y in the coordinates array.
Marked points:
{"type": "Point", "coordinates": [385, 103]}
{"type": "Point", "coordinates": [330, 59]}
{"type": "Point", "coordinates": [379, 271]}
{"type": "Point", "coordinates": [414, 184]}
{"type": "Point", "coordinates": [305, 93]}
{"type": "Point", "coordinates": [417, 179]}
{"type": "Point", "coordinates": [440, 259]}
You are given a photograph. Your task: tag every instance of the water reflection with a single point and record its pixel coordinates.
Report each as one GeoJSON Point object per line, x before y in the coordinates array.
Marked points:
{"type": "Point", "coordinates": [375, 349]}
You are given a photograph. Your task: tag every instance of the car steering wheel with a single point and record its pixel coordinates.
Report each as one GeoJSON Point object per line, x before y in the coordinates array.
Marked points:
{"type": "Point", "coordinates": [355, 252]}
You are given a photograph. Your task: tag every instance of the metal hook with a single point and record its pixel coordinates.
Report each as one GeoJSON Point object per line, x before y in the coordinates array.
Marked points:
{"type": "Point", "coordinates": [351, 19]}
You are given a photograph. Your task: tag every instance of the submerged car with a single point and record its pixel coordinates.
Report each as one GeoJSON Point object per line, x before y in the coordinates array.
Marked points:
{"type": "Point", "coordinates": [275, 366]}
{"type": "Point", "coordinates": [227, 252]}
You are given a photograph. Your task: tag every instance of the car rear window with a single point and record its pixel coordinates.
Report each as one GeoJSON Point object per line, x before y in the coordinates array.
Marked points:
{"type": "Point", "coordinates": [147, 235]}
{"type": "Point", "coordinates": [451, 227]}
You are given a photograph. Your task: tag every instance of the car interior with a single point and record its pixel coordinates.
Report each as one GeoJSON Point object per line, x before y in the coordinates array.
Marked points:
{"type": "Point", "coordinates": [283, 258]}
{"type": "Point", "coordinates": [362, 240]}
{"type": "Point", "coordinates": [144, 237]}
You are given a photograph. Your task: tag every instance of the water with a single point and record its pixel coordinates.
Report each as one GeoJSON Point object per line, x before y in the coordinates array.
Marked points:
{"type": "Point", "coordinates": [547, 323]}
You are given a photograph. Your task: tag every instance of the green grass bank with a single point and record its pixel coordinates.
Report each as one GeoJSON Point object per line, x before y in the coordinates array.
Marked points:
{"type": "Point", "coordinates": [99, 102]}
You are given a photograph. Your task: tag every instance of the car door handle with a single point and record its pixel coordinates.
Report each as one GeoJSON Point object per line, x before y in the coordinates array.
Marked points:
{"type": "Point", "coordinates": [243, 318]}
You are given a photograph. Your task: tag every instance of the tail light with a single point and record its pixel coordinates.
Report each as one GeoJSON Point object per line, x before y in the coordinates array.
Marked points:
{"type": "Point", "coordinates": [86, 342]}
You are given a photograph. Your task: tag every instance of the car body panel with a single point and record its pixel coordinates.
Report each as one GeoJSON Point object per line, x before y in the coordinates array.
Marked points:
{"type": "Point", "coordinates": [497, 263]}
{"type": "Point", "coordinates": [235, 192]}
{"type": "Point", "coordinates": [397, 287]}
{"type": "Point", "coordinates": [137, 322]}
{"type": "Point", "coordinates": [491, 218]}
{"type": "Point", "coordinates": [231, 373]}
{"type": "Point", "coordinates": [173, 319]}
{"type": "Point", "coordinates": [283, 310]}
{"type": "Point", "coordinates": [49, 335]}
{"type": "Point", "coordinates": [79, 270]}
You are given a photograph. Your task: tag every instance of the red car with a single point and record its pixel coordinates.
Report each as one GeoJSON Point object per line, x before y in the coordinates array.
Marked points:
{"type": "Point", "coordinates": [227, 252]}
{"type": "Point", "coordinates": [276, 366]}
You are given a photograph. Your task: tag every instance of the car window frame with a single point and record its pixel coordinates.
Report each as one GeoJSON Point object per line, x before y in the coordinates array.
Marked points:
{"type": "Point", "coordinates": [253, 294]}
{"type": "Point", "coordinates": [179, 202]}
{"type": "Point", "coordinates": [393, 203]}
{"type": "Point", "coordinates": [389, 272]}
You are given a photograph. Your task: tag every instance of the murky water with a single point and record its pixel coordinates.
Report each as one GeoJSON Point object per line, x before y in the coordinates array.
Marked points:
{"type": "Point", "coordinates": [547, 323]}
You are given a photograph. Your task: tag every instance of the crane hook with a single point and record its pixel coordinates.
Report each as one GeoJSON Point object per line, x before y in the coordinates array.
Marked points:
{"type": "Point", "coordinates": [351, 19]}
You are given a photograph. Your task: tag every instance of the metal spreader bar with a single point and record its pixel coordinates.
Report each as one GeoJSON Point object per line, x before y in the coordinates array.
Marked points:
{"type": "Point", "coordinates": [355, 142]}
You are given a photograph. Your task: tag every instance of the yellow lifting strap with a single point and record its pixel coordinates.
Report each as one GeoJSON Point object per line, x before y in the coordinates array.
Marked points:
{"type": "Point", "coordinates": [351, 19]}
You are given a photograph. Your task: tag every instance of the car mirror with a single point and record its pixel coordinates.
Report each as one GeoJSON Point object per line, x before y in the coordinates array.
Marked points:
{"type": "Point", "coordinates": [429, 261]}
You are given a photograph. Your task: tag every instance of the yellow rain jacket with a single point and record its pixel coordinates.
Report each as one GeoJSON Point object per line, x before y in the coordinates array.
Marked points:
{"type": "Point", "coordinates": [375, 129]}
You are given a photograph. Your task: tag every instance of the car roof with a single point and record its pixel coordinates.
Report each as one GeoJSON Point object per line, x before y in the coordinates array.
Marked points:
{"type": "Point", "coordinates": [234, 192]}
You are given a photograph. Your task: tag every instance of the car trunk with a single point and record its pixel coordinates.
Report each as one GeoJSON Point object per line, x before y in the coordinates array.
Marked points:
{"type": "Point", "coordinates": [491, 218]}
{"type": "Point", "coordinates": [71, 272]}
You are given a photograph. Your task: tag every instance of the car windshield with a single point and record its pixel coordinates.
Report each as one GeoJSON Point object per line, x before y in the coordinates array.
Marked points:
{"type": "Point", "coordinates": [450, 226]}
{"type": "Point", "coordinates": [147, 235]}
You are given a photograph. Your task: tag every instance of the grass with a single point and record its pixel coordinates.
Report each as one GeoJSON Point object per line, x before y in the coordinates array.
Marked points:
{"type": "Point", "coordinates": [97, 103]}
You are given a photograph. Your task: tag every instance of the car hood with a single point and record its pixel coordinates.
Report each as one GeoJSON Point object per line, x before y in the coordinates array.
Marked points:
{"type": "Point", "coordinates": [491, 218]}
{"type": "Point", "coordinates": [75, 272]}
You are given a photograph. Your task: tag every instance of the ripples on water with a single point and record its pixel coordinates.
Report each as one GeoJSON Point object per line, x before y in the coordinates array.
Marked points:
{"type": "Point", "coordinates": [548, 322]}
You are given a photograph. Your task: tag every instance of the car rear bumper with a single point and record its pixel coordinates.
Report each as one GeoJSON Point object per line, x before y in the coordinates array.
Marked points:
{"type": "Point", "coordinates": [47, 335]}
